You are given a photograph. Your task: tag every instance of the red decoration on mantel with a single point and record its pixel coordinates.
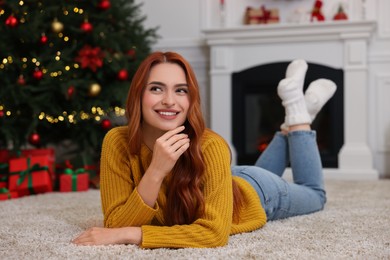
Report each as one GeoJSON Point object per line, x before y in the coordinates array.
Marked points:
{"type": "Point", "coordinates": [316, 13]}
{"type": "Point", "coordinates": [261, 15]}
{"type": "Point", "coordinates": [340, 15]}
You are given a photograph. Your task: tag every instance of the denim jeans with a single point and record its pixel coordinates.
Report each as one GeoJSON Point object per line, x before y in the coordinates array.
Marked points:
{"type": "Point", "coordinates": [279, 198]}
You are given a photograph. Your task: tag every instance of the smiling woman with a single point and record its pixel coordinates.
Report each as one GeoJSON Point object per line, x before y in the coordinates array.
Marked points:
{"type": "Point", "coordinates": [166, 179]}
{"type": "Point", "coordinates": [165, 101]}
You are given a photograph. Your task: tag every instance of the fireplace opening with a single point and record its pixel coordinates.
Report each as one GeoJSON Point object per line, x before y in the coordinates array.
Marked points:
{"type": "Point", "coordinates": [258, 112]}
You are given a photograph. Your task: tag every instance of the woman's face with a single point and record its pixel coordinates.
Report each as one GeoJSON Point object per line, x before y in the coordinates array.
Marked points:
{"type": "Point", "coordinates": [165, 99]}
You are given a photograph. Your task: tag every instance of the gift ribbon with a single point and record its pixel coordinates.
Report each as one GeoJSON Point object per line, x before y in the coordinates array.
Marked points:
{"type": "Point", "coordinates": [3, 166]}
{"type": "Point", "coordinates": [74, 174]}
{"type": "Point", "coordinates": [5, 191]}
{"type": "Point", "coordinates": [28, 172]}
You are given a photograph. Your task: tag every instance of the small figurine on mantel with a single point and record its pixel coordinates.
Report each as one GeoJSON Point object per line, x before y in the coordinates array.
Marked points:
{"type": "Point", "coordinates": [340, 15]}
{"type": "Point", "coordinates": [316, 13]}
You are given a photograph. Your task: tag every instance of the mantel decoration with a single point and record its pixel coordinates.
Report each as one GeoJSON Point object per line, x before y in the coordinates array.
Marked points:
{"type": "Point", "coordinates": [261, 15]}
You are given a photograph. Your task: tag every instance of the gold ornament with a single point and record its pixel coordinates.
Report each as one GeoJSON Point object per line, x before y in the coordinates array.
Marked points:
{"type": "Point", "coordinates": [57, 26]}
{"type": "Point", "coordinates": [94, 89]}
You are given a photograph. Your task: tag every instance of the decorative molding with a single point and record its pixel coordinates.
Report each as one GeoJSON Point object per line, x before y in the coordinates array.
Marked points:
{"type": "Point", "coordinates": [383, 108]}
{"type": "Point", "coordinates": [379, 57]}
{"type": "Point", "coordinates": [383, 19]}
{"type": "Point", "coordinates": [287, 33]}
{"type": "Point", "coordinates": [355, 51]}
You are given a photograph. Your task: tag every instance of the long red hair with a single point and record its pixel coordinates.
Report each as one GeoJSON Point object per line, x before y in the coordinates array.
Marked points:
{"type": "Point", "coordinates": [185, 202]}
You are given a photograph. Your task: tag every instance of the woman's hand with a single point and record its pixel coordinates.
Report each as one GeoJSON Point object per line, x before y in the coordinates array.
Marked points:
{"type": "Point", "coordinates": [109, 236]}
{"type": "Point", "coordinates": [167, 150]}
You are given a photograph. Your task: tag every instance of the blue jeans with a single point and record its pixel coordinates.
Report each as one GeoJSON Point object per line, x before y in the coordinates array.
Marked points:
{"type": "Point", "coordinates": [279, 198]}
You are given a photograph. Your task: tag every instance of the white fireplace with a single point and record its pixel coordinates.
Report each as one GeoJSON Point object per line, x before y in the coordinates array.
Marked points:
{"type": "Point", "coordinates": [340, 45]}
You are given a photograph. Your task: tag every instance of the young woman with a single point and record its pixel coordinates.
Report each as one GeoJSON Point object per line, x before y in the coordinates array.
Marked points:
{"type": "Point", "coordinates": [166, 180]}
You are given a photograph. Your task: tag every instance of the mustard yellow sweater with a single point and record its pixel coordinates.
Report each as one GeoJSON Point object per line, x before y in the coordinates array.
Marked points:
{"type": "Point", "coordinates": [123, 206]}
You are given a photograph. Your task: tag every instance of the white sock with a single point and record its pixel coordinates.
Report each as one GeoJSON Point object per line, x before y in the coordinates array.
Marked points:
{"type": "Point", "coordinates": [290, 91]}
{"type": "Point", "coordinates": [316, 96]}
{"type": "Point", "coordinates": [297, 70]}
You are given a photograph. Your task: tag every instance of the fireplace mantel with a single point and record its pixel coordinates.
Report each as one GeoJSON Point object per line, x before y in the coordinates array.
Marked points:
{"type": "Point", "coordinates": [279, 33]}
{"type": "Point", "coordinates": [341, 44]}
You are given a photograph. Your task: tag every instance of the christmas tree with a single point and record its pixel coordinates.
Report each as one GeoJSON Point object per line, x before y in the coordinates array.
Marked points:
{"type": "Point", "coordinates": [65, 69]}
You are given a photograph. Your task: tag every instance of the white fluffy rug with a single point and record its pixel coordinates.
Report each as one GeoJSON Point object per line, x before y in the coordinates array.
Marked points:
{"type": "Point", "coordinates": [354, 225]}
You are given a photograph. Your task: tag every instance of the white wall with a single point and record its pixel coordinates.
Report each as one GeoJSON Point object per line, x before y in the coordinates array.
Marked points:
{"type": "Point", "coordinates": [181, 23]}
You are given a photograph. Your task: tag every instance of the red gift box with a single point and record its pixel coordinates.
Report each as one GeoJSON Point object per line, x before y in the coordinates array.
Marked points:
{"type": "Point", "coordinates": [30, 175]}
{"type": "Point", "coordinates": [77, 180]}
{"type": "Point", "coordinates": [43, 152]}
{"type": "Point", "coordinates": [5, 194]}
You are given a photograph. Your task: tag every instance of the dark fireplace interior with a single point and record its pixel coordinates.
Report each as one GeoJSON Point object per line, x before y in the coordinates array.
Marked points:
{"type": "Point", "coordinates": [258, 112]}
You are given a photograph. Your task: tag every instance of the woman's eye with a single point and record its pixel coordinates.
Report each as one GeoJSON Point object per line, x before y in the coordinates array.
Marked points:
{"type": "Point", "coordinates": [155, 89]}
{"type": "Point", "coordinates": [182, 90]}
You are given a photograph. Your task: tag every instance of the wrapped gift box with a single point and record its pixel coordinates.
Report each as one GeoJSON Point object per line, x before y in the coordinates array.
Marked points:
{"type": "Point", "coordinates": [77, 180]}
{"type": "Point", "coordinates": [48, 152]}
{"type": "Point", "coordinates": [90, 165]}
{"type": "Point", "coordinates": [5, 194]}
{"type": "Point", "coordinates": [30, 175]}
{"type": "Point", "coordinates": [261, 15]}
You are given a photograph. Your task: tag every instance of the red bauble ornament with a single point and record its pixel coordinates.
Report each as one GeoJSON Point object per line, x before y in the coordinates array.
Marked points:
{"type": "Point", "coordinates": [1, 113]}
{"type": "Point", "coordinates": [34, 139]}
{"type": "Point", "coordinates": [21, 81]}
{"type": "Point", "coordinates": [104, 4]}
{"type": "Point", "coordinates": [131, 53]}
{"type": "Point", "coordinates": [38, 74]}
{"type": "Point", "coordinates": [123, 75]}
{"type": "Point", "coordinates": [106, 124]}
{"type": "Point", "coordinates": [70, 92]}
{"type": "Point", "coordinates": [86, 27]}
{"type": "Point", "coordinates": [11, 21]}
{"type": "Point", "coordinates": [43, 39]}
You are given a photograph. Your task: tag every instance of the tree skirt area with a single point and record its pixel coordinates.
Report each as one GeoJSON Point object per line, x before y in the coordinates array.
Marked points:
{"type": "Point", "coordinates": [354, 225]}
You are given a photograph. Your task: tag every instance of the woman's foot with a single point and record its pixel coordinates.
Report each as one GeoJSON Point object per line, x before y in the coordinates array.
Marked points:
{"type": "Point", "coordinates": [316, 96]}
{"type": "Point", "coordinates": [290, 90]}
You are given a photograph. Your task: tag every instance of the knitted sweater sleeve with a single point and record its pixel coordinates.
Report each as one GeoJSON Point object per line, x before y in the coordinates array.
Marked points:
{"type": "Point", "coordinates": [213, 228]}
{"type": "Point", "coordinates": [122, 205]}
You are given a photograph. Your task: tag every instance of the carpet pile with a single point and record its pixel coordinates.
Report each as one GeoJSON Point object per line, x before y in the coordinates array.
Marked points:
{"type": "Point", "coordinates": [354, 225]}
